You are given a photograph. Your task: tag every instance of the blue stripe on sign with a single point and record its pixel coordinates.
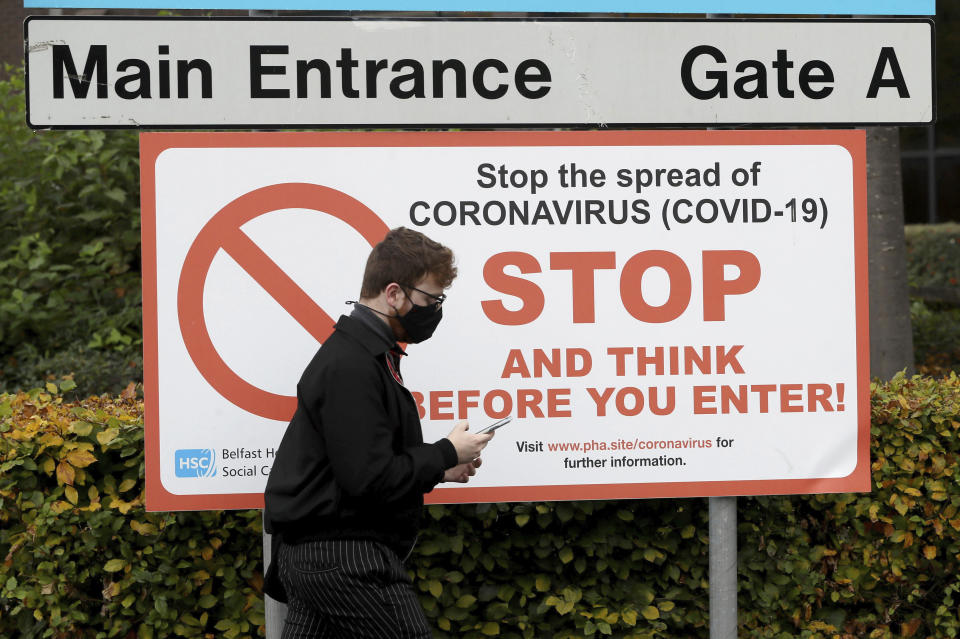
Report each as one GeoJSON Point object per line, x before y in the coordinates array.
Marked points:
{"type": "Point", "coordinates": [805, 7]}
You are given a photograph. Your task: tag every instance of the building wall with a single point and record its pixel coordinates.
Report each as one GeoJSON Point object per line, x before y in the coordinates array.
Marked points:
{"type": "Point", "coordinates": [12, 15]}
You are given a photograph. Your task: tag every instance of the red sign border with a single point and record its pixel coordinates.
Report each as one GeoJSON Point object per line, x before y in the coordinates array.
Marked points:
{"type": "Point", "coordinates": [853, 141]}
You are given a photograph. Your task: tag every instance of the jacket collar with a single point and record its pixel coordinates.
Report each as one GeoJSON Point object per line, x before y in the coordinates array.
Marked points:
{"type": "Point", "coordinates": [368, 317]}
{"type": "Point", "coordinates": [365, 335]}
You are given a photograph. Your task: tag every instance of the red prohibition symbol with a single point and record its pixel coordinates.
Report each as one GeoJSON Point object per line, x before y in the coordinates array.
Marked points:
{"type": "Point", "coordinates": [223, 232]}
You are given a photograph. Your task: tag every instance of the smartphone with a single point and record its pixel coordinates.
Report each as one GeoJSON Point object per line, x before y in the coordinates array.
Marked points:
{"type": "Point", "coordinates": [495, 425]}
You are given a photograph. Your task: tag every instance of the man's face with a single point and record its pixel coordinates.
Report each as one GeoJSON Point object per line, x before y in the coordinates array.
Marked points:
{"type": "Point", "coordinates": [422, 293]}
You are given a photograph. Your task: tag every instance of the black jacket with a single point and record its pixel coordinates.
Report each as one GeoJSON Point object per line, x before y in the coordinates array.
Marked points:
{"type": "Point", "coordinates": [352, 463]}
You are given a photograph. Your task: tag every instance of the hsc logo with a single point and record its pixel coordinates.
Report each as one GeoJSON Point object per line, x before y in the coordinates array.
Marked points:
{"type": "Point", "coordinates": [195, 462]}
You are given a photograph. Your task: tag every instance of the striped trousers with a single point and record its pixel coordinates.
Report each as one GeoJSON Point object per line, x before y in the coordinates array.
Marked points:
{"type": "Point", "coordinates": [348, 589]}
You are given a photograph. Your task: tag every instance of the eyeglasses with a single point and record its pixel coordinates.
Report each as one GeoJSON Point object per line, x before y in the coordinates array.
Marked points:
{"type": "Point", "coordinates": [437, 299]}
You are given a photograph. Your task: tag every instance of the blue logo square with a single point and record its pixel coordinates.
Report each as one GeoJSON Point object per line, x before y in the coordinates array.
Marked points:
{"type": "Point", "coordinates": [195, 462]}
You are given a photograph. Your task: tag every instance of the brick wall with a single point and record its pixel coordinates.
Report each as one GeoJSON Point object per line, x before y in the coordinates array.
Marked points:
{"type": "Point", "coordinates": [12, 15]}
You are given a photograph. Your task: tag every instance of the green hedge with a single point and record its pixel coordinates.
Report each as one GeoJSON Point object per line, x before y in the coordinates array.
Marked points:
{"type": "Point", "coordinates": [83, 559]}
{"type": "Point", "coordinates": [69, 252]}
{"type": "Point", "coordinates": [936, 337]}
{"type": "Point", "coordinates": [933, 272]}
{"type": "Point", "coordinates": [883, 564]}
{"type": "Point", "coordinates": [933, 255]}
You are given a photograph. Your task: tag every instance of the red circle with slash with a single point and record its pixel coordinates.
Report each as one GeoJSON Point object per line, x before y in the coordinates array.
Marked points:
{"type": "Point", "coordinates": [223, 232]}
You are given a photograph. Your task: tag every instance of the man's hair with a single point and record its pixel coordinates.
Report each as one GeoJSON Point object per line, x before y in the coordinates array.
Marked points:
{"type": "Point", "coordinates": [406, 257]}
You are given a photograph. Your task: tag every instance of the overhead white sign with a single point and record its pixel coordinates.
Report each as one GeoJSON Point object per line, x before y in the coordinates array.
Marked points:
{"type": "Point", "coordinates": [662, 313]}
{"type": "Point", "coordinates": [282, 73]}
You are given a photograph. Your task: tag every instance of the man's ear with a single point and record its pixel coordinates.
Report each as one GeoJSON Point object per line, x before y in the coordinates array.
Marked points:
{"type": "Point", "coordinates": [394, 293]}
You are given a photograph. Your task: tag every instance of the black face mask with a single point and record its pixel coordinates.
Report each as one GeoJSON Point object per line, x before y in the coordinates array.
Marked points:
{"type": "Point", "coordinates": [420, 321]}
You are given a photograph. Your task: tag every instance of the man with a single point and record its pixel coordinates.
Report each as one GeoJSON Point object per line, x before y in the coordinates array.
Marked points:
{"type": "Point", "coordinates": [345, 494]}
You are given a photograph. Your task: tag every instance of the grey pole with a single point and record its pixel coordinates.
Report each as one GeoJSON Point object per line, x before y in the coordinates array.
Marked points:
{"type": "Point", "coordinates": [723, 554]}
{"type": "Point", "coordinates": [723, 567]}
{"type": "Point", "coordinates": [274, 611]}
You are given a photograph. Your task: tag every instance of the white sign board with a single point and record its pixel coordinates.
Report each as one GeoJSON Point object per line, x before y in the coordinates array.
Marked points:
{"type": "Point", "coordinates": [286, 73]}
{"type": "Point", "coordinates": [663, 314]}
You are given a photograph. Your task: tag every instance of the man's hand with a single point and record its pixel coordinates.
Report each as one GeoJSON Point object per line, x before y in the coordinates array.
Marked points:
{"type": "Point", "coordinates": [468, 444]}
{"type": "Point", "coordinates": [463, 472]}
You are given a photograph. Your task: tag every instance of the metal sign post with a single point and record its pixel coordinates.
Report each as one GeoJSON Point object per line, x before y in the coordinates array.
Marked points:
{"type": "Point", "coordinates": [723, 553]}
{"type": "Point", "coordinates": [723, 567]}
{"type": "Point", "coordinates": [274, 611]}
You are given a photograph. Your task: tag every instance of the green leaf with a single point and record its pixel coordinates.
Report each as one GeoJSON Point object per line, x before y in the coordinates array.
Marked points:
{"type": "Point", "coordinates": [572, 594]}
{"type": "Point", "coordinates": [114, 565]}
{"type": "Point", "coordinates": [106, 436]}
{"type": "Point", "coordinates": [81, 428]}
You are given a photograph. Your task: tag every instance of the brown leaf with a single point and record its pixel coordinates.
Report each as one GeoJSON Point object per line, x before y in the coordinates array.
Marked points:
{"type": "Point", "coordinates": [60, 506]}
{"type": "Point", "coordinates": [80, 458]}
{"type": "Point", "coordinates": [909, 628]}
{"type": "Point", "coordinates": [111, 590]}
{"type": "Point", "coordinates": [65, 473]}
